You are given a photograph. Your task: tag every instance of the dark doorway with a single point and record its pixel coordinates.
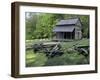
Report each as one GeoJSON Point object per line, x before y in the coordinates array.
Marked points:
{"type": "Point", "coordinates": [67, 35]}
{"type": "Point", "coordinates": [73, 34]}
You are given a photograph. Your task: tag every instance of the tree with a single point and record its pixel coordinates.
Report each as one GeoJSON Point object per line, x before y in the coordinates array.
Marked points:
{"type": "Point", "coordinates": [40, 25]}
{"type": "Point", "coordinates": [85, 25]}
{"type": "Point", "coordinates": [31, 20]}
{"type": "Point", "coordinates": [45, 25]}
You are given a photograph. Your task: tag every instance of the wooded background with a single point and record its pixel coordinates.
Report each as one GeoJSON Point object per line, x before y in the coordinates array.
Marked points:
{"type": "Point", "coordinates": [40, 25]}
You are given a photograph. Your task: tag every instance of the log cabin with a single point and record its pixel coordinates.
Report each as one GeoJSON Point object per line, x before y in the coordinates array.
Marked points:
{"type": "Point", "coordinates": [69, 29]}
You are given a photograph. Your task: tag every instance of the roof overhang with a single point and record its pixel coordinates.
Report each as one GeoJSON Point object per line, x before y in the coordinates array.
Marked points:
{"type": "Point", "coordinates": [64, 29]}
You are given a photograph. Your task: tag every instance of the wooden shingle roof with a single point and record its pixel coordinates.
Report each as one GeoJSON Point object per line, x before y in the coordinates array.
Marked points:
{"type": "Point", "coordinates": [72, 21]}
{"type": "Point", "coordinates": [64, 29]}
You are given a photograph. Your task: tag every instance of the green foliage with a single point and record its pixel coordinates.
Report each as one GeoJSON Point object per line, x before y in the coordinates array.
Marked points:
{"type": "Point", "coordinates": [31, 21]}
{"type": "Point", "coordinates": [70, 56]}
{"type": "Point", "coordinates": [85, 25]}
{"type": "Point", "coordinates": [40, 25]}
{"type": "Point", "coordinates": [35, 59]}
{"type": "Point", "coordinates": [67, 59]}
{"type": "Point", "coordinates": [45, 25]}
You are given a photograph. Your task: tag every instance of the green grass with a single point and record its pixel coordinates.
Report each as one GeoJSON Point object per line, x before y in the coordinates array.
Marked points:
{"type": "Point", "coordinates": [70, 57]}
{"type": "Point", "coordinates": [35, 59]}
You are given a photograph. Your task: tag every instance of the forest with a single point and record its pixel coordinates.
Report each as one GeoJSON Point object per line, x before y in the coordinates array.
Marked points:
{"type": "Point", "coordinates": [40, 25]}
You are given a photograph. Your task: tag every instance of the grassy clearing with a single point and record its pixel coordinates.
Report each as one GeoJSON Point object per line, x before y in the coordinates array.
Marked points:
{"type": "Point", "coordinates": [68, 58]}
{"type": "Point", "coordinates": [35, 59]}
